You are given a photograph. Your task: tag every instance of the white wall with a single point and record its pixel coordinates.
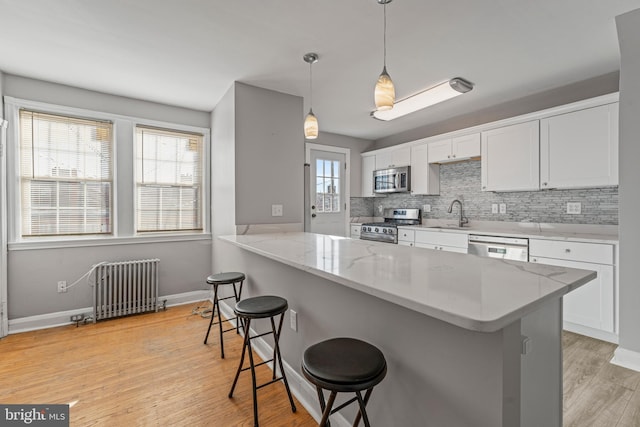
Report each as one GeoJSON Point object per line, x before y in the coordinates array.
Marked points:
{"type": "Point", "coordinates": [34, 273]}
{"type": "Point", "coordinates": [269, 150]}
{"type": "Point", "coordinates": [629, 210]}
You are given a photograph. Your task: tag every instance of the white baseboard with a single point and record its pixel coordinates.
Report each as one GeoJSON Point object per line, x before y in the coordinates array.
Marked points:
{"type": "Point", "coordinates": [590, 332]}
{"type": "Point", "coordinates": [61, 318]}
{"type": "Point", "coordinates": [626, 358]}
{"type": "Point", "coordinates": [303, 390]}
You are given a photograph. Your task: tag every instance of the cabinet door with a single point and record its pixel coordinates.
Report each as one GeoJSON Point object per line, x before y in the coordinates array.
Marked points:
{"type": "Point", "coordinates": [511, 158]}
{"type": "Point", "coordinates": [465, 147]}
{"type": "Point", "coordinates": [368, 166]}
{"type": "Point", "coordinates": [580, 149]}
{"type": "Point", "coordinates": [425, 177]}
{"type": "Point", "coordinates": [590, 305]}
{"type": "Point", "coordinates": [439, 151]}
{"type": "Point", "coordinates": [395, 157]}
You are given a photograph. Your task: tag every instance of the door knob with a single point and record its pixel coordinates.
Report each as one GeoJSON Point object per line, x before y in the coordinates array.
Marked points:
{"type": "Point", "coordinates": [313, 206]}
{"type": "Point", "coordinates": [313, 215]}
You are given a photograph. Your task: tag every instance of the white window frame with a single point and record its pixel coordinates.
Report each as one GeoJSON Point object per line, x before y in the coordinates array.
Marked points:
{"type": "Point", "coordinates": [124, 190]}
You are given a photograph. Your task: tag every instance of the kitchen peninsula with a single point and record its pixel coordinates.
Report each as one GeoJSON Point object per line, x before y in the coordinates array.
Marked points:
{"type": "Point", "coordinates": [469, 341]}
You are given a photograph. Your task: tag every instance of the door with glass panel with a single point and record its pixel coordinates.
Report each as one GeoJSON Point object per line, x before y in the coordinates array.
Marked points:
{"type": "Point", "coordinates": [327, 195]}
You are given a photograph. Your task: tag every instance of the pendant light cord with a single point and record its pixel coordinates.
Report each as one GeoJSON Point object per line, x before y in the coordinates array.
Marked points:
{"type": "Point", "coordinates": [384, 37]}
{"type": "Point", "coordinates": [310, 85]}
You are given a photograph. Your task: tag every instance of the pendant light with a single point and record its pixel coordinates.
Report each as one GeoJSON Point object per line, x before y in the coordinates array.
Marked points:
{"type": "Point", "coordinates": [310, 122]}
{"type": "Point", "coordinates": [385, 92]}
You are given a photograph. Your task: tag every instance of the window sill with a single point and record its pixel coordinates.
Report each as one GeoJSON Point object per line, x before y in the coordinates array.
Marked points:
{"type": "Point", "coordinates": [106, 241]}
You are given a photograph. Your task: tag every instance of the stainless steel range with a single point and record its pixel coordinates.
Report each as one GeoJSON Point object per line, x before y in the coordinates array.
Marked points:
{"type": "Point", "coordinates": [387, 231]}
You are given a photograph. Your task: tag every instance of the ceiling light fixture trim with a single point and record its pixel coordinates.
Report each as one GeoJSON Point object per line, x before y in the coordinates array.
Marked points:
{"type": "Point", "coordinates": [434, 95]}
{"type": "Point", "coordinates": [311, 121]}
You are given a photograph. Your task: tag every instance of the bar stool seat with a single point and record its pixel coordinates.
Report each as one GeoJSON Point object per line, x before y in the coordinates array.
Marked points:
{"type": "Point", "coordinates": [227, 278]}
{"type": "Point", "coordinates": [262, 307]}
{"type": "Point", "coordinates": [344, 365]}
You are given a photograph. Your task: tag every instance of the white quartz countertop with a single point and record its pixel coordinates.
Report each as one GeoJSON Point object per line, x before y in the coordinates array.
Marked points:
{"type": "Point", "coordinates": [574, 233]}
{"type": "Point", "coordinates": [475, 293]}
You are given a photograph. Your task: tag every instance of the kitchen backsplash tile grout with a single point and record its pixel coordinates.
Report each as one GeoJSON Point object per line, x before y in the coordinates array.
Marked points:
{"type": "Point", "coordinates": [462, 181]}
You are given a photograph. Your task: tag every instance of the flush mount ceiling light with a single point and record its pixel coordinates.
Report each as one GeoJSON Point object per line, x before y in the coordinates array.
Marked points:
{"type": "Point", "coordinates": [310, 122]}
{"type": "Point", "coordinates": [434, 95]}
{"type": "Point", "coordinates": [385, 92]}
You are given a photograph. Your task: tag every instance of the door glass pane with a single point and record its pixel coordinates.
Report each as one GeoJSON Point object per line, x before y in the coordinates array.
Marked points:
{"type": "Point", "coordinates": [327, 186]}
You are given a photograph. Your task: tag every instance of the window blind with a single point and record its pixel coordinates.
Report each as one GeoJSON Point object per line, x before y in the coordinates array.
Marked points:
{"type": "Point", "coordinates": [169, 180]}
{"type": "Point", "coordinates": [66, 175]}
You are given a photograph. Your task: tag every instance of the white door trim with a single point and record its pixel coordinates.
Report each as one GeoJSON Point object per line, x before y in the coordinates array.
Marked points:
{"type": "Point", "coordinates": [347, 176]}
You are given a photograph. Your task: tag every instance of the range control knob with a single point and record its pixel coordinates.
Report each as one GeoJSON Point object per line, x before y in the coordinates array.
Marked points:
{"type": "Point", "coordinates": [376, 230]}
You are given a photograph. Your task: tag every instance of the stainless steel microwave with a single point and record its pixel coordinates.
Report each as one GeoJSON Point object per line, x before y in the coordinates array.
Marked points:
{"type": "Point", "coordinates": [392, 180]}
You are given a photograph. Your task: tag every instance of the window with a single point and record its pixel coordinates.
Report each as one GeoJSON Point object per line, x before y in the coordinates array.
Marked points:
{"type": "Point", "coordinates": [169, 180]}
{"type": "Point", "coordinates": [65, 175]}
{"type": "Point", "coordinates": [327, 185]}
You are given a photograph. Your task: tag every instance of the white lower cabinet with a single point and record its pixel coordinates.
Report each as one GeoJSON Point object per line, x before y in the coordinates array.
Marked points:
{"type": "Point", "coordinates": [406, 237]}
{"type": "Point", "coordinates": [442, 241]}
{"type": "Point", "coordinates": [590, 309]}
{"type": "Point", "coordinates": [355, 230]}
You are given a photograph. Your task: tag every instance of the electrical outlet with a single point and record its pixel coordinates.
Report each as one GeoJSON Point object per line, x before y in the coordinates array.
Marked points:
{"type": "Point", "coordinates": [62, 286]}
{"type": "Point", "coordinates": [503, 208]}
{"type": "Point", "coordinates": [574, 208]}
{"type": "Point", "coordinates": [77, 317]}
{"type": "Point", "coordinates": [276, 210]}
{"type": "Point", "coordinates": [426, 208]}
{"type": "Point", "coordinates": [494, 208]}
{"type": "Point", "coordinates": [293, 319]}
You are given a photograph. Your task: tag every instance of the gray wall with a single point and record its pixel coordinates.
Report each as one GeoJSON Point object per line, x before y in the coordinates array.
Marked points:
{"type": "Point", "coordinates": [597, 86]}
{"type": "Point", "coordinates": [356, 145]}
{"type": "Point", "coordinates": [462, 181]}
{"type": "Point", "coordinates": [629, 40]}
{"type": "Point", "coordinates": [269, 150]}
{"type": "Point", "coordinates": [33, 273]}
{"type": "Point", "coordinates": [38, 90]}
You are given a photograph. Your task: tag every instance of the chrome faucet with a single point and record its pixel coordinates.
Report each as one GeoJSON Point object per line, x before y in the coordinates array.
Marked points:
{"type": "Point", "coordinates": [462, 219]}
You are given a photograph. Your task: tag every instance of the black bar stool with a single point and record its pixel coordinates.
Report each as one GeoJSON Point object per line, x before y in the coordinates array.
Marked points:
{"type": "Point", "coordinates": [262, 307]}
{"type": "Point", "coordinates": [230, 278]}
{"type": "Point", "coordinates": [344, 365]}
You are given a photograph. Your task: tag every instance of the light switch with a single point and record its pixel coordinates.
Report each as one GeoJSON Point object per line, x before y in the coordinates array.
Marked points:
{"type": "Point", "coordinates": [276, 210]}
{"type": "Point", "coordinates": [494, 208]}
{"type": "Point", "coordinates": [503, 208]}
{"type": "Point", "coordinates": [426, 208]}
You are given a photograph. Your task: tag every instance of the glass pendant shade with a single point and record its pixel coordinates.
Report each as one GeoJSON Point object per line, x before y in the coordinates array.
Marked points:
{"type": "Point", "coordinates": [311, 126]}
{"type": "Point", "coordinates": [385, 92]}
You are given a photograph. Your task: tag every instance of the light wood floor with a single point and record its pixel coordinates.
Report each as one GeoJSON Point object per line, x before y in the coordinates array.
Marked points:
{"type": "Point", "coordinates": [145, 370]}
{"type": "Point", "coordinates": [153, 370]}
{"type": "Point", "coordinates": [597, 393]}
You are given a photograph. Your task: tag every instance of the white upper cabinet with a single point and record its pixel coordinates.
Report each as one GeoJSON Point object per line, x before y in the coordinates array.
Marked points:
{"type": "Point", "coordinates": [454, 149]}
{"type": "Point", "coordinates": [425, 177]}
{"type": "Point", "coordinates": [511, 158]}
{"type": "Point", "coordinates": [580, 149]}
{"type": "Point", "coordinates": [394, 157]}
{"type": "Point", "coordinates": [368, 166]}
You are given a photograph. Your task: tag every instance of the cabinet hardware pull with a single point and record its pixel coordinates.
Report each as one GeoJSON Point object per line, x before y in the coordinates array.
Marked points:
{"type": "Point", "coordinates": [567, 250]}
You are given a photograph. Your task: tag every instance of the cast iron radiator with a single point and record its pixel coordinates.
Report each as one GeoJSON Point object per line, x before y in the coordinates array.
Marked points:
{"type": "Point", "coordinates": [124, 288]}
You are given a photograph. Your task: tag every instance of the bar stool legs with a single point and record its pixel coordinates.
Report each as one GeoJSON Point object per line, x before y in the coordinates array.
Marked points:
{"type": "Point", "coordinates": [256, 308]}
{"type": "Point", "coordinates": [232, 278]}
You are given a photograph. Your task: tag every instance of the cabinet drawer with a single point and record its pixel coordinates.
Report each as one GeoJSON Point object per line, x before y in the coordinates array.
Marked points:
{"type": "Point", "coordinates": [440, 238]}
{"type": "Point", "coordinates": [405, 243]}
{"type": "Point", "coordinates": [441, 248]}
{"type": "Point", "coordinates": [406, 235]}
{"type": "Point", "coordinates": [599, 253]}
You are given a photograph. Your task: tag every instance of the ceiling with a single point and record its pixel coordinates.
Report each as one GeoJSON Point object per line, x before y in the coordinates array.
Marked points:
{"type": "Point", "coordinates": [189, 52]}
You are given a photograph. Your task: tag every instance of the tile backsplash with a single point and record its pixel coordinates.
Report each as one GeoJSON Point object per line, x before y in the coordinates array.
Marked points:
{"type": "Point", "coordinates": [462, 181]}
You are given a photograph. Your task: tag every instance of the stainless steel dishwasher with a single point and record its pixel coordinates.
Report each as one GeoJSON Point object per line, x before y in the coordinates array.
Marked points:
{"type": "Point", "coordinates": [515, 248]}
